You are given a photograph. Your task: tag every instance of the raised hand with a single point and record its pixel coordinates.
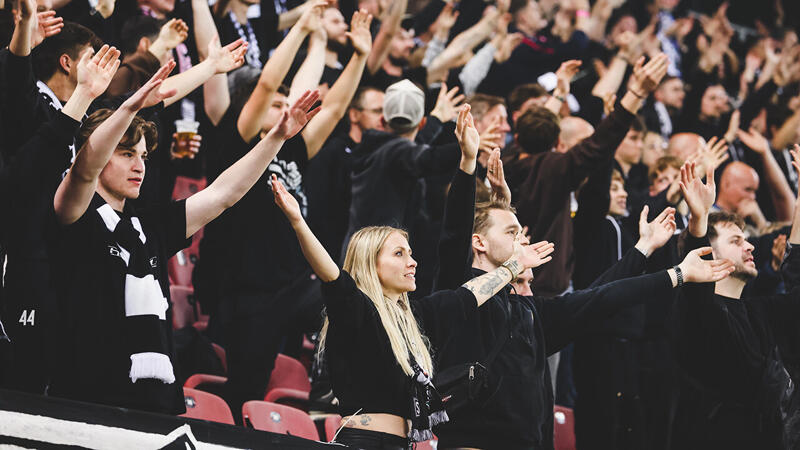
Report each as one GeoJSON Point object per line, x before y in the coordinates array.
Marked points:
{"type": "Point", "coordinates": [698, 270]}
{"type": "Point", "coordinates": [699, 196]}
{"type": "Point", "coordinates": [173, 33]}
{"type": "Point", "coordinates": [95, 72]}
{"type": "Point", "coordinates": [225, 59]}
{"type": "Point", "coordinates": [710, 155]}
{"type": "Point", "coordinates": [359, 33]}
{"type": "Point", "coordinates": [286, 201]}
{"type": "Point", "coordinates": [312, 16]}
{"type": "Point", "coordinates": [497, 178]}
{"type": "Point", "coordinates": [564, 74]}
{"type": "Point", "coordinates": [754, 140]}
{"type": "Point", "coordinates": [292, 121]}
{"type": "Point", "coordinates": [447, 103]}
{"type": "Point", "coordinates": [150, 94]}
{"type": "Point", "coordinates": [507, 46]}
{"type": "Point", "coordinates": [491, 137]}
{"type": "Point", "coordinates": [533, 255]}
{"type": "Point", "coordinates": [466, 134]}
{"type": "Point", "coordinates": [47, 25]}
{"type": "Point", "coordinates": [646, 77]}
{"type": "Point", "coordinates": [653, 235]}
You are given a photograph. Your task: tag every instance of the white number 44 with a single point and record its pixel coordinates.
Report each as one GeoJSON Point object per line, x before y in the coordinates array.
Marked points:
{"type": "Point", "coordinates": [27, 318]}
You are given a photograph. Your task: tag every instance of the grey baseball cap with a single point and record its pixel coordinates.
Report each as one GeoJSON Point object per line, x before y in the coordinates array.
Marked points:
{"type": "Point", "coordinates": [403, 106]}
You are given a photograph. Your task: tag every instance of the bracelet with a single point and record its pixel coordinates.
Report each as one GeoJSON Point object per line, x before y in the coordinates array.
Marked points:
{"type": "Point", "coordinates": [513, 268]}
{"type": "Point", "coordinates": [582, 13]}
{"type": "Point", "coordinates": [679, 275]}
{"type": "Point", "coordinates": [560, 98]}
{"type": "Point", "coordinates": [638, 95]}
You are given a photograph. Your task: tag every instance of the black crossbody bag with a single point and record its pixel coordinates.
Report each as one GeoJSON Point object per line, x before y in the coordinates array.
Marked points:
{"type": "Point", "coordinates": [462, 384]}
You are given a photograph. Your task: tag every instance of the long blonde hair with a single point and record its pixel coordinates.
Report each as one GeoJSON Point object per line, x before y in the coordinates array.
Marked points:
{"type": "Point", "coordinates": [361, 261]}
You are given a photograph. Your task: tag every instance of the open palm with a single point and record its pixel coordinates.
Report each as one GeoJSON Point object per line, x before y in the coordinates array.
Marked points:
{"type": "Point", "coordinates": [95, 72]}
{"type": "Point", "coordinates": [150, 94]}
{"type": "Point", "coordinates": [286, 201]}
{"type": "Point", "coordinates": [534, 255]}
{"type": "Point", "coordinates": [699, 196]}
{"type": "Point", "coordinates": [359, 33]}
{"type": "Point", "coordinates": [297, 117]}
{"type": "Point", "coordinates": [698, 270]}
{"type": "Point", "coordinates": [467, 135]}
{"type": "Point", "coordinates": [656, 233]}
{"type": "Point", "coordinates": [226, 58]}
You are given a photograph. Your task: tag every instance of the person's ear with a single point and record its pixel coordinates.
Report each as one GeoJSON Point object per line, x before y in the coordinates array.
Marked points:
{"type": "Point", "coordinates": [422, 123]}
{"type": "Point", "coordinates": [352, 115]}
{"type": "Point", "coordinates": [478, 244]}
{"type": "Point", "coordinates": [64, 63]}
{"type": "Point", "coordinates": [384, 123]}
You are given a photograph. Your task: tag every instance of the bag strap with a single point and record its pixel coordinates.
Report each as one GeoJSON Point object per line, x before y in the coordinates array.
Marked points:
{"type": "Point", "coordinates": [504, 335]}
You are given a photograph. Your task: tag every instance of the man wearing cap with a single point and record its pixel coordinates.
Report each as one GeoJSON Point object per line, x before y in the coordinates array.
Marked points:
{"type": "Point", "coordinates": [389, 167]}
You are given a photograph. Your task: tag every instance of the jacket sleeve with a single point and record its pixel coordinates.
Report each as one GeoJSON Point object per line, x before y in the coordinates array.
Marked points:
{"type": "Point", "coordinates": [631, 265]}
{"type": "Point", "coordinates": [43, 156]}
{"type": "Point", "coordinates": [569, 316]}
{"type": "Point", "coordinates": [784, 312]}
{"type": "Point", "coordinates": [598, 148]}
{"type": "Point", "coordinates": [455, 248]}
{"type": "Point", "coordinates": [23, 107]}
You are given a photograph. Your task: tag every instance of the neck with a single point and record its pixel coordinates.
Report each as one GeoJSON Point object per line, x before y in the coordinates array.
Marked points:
{"type": "Point", "coordinates": [391, 68]}
{"type": "Point", "coordinates": [391, 295]}
{"type": "Point", "coordinates": [411, 135]}
{"type": "Point", "coordinates": [356, 133]}
{"type": "Point", "coordinates": [239, 10]}
{"type": "Point", "coordinates": [482, 262]}
{"type": "Point", "coordinates": [331, 57]}
{"type": "Point", "coordinates": [730, 287]}
{"type": "Point", "coordinates": [723, 204]}
{"type": "Point", "coordinates": [626, 167]}
{"type": "Point", "coordinates": [526, 30]}
{"type": "Point", "coordinates": [61, 86]}
{"type": "Point", "coordinates": [115, 201]}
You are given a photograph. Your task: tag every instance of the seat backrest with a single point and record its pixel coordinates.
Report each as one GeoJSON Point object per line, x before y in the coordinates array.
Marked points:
{"type": "Point", "coordinates": [183, 313]}
{"type": "Point", "coordinates": [331, 426]}
{"type": "Point", "coordinates": [181, 265]}
{"type": "Point", "coordinates": [186, 187]}
{"type": "Point", "coordinates": [563, 428]}
{"type": "Point", "coordinates": [282, 419]}
{"type": "Point", "coordinates": [289, 373]}
{"type": "Point", "coordinates": [205, 406]}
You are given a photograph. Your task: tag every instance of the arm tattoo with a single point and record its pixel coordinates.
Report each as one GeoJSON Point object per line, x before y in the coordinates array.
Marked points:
{"type": "Point", "coordinates": [487, 284]}
{"type": "Point", "coordinates": [365, 420]}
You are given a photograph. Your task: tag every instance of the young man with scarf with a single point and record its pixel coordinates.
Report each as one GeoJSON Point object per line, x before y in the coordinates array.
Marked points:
{"type": "Point", "coordinates": [110, 260]}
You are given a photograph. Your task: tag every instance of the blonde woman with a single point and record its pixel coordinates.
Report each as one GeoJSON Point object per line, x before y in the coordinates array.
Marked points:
{"type": "Point", "coordinates": [379, 360]}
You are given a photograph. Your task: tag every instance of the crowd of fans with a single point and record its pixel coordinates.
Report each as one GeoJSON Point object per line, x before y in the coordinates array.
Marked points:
{"type": "Point", "coordinates": [601, 198]}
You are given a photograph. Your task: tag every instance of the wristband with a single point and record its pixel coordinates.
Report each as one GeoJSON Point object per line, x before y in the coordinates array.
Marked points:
{"type": "Point", "coordinates": [513, 268]}
{"type": "Point", "coordinates": [679, 275]}
{"type": "Point", "coordinates": [582, 13]}
{"type": "Point", "coordinates": [636, 94]}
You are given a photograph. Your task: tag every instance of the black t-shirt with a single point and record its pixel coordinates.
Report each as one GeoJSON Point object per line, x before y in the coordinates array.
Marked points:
{"type": "Point", "coordinates": [364, 372]}
{"type": "Point", "coordinates": [382, 80]}
{"type": "Point", "coordinates": [264, 28]}
{"type": "Point", "coordinates": [328, 187]}
{"type": "Point", "coordinates": [261, 251]}
{"type": "Point", "coordinates": [94, 351]}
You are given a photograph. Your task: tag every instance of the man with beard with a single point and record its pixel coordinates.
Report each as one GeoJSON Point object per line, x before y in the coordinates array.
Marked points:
{"type": "Point", "coordinates": [664, 110]}
{"type": "Point", "coordinates": [732, 352]}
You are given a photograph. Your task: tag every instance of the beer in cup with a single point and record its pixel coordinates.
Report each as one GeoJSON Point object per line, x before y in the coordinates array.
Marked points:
{"type": "Point", "coordinates": [186, 130]}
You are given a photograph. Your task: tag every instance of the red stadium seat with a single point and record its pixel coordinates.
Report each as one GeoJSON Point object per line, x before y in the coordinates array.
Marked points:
{"type": "Point", "coordinates": [198, 380]}
{"type": "Point", "coordinates": [183, 313]}
{"type": "Point", "coordinates": [563, 428]}
{"type": "Point", "coordinates": [181, 265]}
{"type": "Point", "coordinates": [186, 187]}
{"type": "Point", "coordinates": [288, 383]}
{"type": "Point", "coordinates": [280, 419]}
{"type": "Point", "coordinates": [221, 355]}
{"type": "Point", "coordinates": [205, 406]}
{"type": "Point", "coordinates": [330, 425]}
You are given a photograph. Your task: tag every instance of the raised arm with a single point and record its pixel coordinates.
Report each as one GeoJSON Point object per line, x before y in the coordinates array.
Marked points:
{"type": "Point", "coordinates": [699, 197]}
{"type": "Point", "coordinates": [525, 257]}
{"type": "Point", "coordinates": [255, 110]}
{"type": "Point", "coordinates": [341, 93]}
{"type": "Point", "coordinates": [216, 97]}
{"type": "Point", "coordinates": [26, 24]}
{"type": "Point", "coordinates": [320, 261]}
{"type": "Point", "coordinates": [172, 33]}
{"type": "Point", "coordinates": [234, 182]}
{"type": "Point", "coordinates": [76, 189]}
{"type": "Point", "coordinates": [794, 235]}
{"type": "Point", "coordinates": [611, 80]}
{"type": "Point", "coordinates": [389, 28]}
{"type": "Point", "coordinates": [310, 72]}
{"type": "Point", "coordinates": [564, 74]}
{"type": "Point", "coordinates": [230, 57]}
{"type": "Point", "coordinates": [782, 196]}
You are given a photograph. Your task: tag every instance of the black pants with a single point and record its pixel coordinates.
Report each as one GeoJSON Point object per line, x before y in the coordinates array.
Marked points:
{"type": "Point", "coordinates": [371, 440]}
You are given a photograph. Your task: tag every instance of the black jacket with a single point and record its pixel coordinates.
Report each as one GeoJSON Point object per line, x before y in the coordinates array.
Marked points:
{"type": "Point", "coordinates": [517, 411]}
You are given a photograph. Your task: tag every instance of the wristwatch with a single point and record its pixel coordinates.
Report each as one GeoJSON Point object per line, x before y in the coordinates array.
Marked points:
{"type": "Point", "coordinates": [679, 275]}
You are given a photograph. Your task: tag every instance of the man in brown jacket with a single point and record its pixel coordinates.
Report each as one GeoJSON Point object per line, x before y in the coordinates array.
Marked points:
{"type": "Point", "coordinates": [541, 179]}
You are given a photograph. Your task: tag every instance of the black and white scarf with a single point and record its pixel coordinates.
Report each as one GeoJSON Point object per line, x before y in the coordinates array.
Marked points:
{"type": "Point", "coordinates": [427, 405]}
{"type": "Point", "coordinates": [145, 304]}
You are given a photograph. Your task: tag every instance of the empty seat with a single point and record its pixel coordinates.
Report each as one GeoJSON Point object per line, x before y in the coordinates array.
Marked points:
{"type": "Point", "coordinates": [205, 406]}
{"type": "Point", "coordinates": [329, 425]}
{"type": "Point", "coordinates": [563, 428]}
{"type": "Point", "coordinates": [282, 419]}
{"type": "Point", "coordinates": [288, 383]}
{"type": "Point", "coordinates": [213, 384]}
{"type": "Point", "coordinates": [183, 312]}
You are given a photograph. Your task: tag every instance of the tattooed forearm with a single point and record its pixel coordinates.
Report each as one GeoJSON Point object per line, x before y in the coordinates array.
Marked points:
{"type": "Point", "coordinates": [485, 286]}
{"type": "Point", "coordinates": [365, 419]}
